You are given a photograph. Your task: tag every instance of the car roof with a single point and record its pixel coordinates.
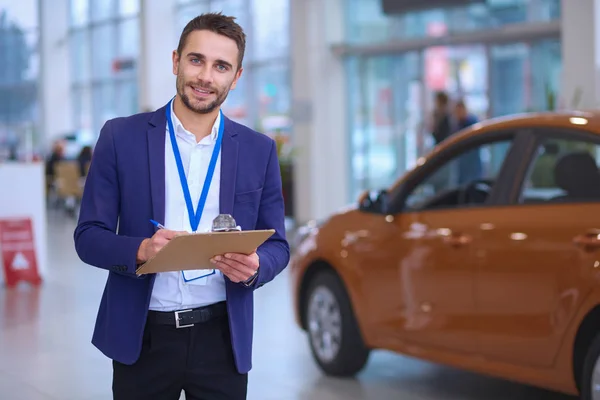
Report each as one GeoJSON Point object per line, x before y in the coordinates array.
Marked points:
{"type": "Point", "coordinates": [586, 120]}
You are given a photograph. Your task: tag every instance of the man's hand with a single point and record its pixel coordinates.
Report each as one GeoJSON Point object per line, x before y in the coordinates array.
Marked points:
{"type": "Point", "coordinates": [237, 267]}
{"type": "Point", "coordinates": [151, 246]}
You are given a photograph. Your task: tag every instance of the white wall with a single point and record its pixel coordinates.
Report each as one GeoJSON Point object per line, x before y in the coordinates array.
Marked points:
{"type": "Point", "coordinates": [580, 25]}
{"type": "Point", "coordinates": [156, 82]}
{"type": "Point", "coordinates": [55, 69]}
{"type": "Point", "coordinates": [158, 40]}
{"type": "Point", "coordinates": [319, 109]}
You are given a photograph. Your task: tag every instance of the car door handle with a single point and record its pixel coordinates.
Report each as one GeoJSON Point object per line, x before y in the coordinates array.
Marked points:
{"type": "Point", "coordinates": [590, 239]}
{"type": "Point", "coordinates": [457, 240]}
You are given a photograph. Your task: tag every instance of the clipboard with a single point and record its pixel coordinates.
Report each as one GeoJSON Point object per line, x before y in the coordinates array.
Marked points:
{"type": "Point", "coordinates": [194, 251]}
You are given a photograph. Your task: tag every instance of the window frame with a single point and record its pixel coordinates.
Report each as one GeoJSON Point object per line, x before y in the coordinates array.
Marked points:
{"type": "Point", "coordinates": [539, 135]}
{"type": "Point", "coordinates": [498, 196]}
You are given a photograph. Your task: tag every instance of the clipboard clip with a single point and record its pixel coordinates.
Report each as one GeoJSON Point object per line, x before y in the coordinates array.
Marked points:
{"type": "Point", "coordinates": [224, 223]}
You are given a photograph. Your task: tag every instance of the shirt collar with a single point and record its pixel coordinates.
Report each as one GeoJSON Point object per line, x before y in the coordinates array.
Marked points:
{"type": "Point", "coordinates": [182, 132]}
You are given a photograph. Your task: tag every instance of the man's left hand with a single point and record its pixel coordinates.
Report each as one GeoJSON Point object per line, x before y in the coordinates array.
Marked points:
{"type": "Point", "coordinates": [237, 267]}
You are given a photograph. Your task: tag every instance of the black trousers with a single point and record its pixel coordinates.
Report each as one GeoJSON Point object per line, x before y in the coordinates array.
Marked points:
{"type": "Point", "coordinates": [198, 360]}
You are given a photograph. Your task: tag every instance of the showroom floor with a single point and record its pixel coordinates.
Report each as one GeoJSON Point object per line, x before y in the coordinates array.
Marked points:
{"type": "Point", "coordinates": [45, 350]}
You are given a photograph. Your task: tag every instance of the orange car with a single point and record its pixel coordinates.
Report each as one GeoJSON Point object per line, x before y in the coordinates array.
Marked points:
{"type": "Point", "coordinates": [486, 256]}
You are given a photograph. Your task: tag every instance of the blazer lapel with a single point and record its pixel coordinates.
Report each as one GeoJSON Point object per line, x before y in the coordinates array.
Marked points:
{"type": "Point", "coordinates": [156, 161]}
{"type": "Point", "coordinates": [229, 159]}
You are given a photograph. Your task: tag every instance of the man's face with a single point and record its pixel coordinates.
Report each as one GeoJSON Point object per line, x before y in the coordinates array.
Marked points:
{"type": "Point", "coordinates": [206, 70]}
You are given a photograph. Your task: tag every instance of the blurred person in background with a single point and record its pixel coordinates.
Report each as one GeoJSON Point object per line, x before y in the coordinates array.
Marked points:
{"type": "Point", "coordinates": [441, 129]}
{"type": "Point", "coordinates": [182, 331]}
{"type": "Point", "coordinates": [462, 118]}
{"type": "Point", "coordinates": [57, 154]}
{"type": "Point", "coordinates": [83, 160]}
{"type": "Point", "coordinates": [469, 164]}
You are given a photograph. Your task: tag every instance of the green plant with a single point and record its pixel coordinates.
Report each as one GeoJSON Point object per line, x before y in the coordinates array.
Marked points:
{"type": "Point", "coordinates": [550, 97]}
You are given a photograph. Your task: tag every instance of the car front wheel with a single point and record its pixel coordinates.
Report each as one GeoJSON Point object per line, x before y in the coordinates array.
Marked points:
{"type": "Point", "coordinates": [335, 339]}
{"type": "Point", "coordinates": [590, 379]}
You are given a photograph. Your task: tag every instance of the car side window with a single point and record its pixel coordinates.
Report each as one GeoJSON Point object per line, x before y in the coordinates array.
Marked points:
{"type": "Point", "coordinates": [466, 179]}
{"type": "Point", "coordinates": [563, 170]}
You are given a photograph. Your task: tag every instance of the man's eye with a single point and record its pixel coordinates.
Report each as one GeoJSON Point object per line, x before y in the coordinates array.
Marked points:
{"type": "Point", "coordinates": [221, 68]}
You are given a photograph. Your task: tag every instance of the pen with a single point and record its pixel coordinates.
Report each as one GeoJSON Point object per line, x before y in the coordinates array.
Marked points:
{"type": "Point", "coordinates": [157, 224]}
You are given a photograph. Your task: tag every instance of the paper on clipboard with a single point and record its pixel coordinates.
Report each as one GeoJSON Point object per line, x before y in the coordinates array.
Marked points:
{"type": "Point", "coordinates": [194, 251]}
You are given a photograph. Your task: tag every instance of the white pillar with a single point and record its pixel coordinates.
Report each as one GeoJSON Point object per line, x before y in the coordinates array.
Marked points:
{"type": "Point", "coordinates": [580, 25]}
{"type": "Point", "coordinates": [55, 69]}
{"type": "Point", "coordinates": [319, 109]}
{"type": "Point", "coordinates": [158, 39]}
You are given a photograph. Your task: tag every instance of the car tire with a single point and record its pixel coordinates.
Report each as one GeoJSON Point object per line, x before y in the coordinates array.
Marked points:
{"type": "Point", "coordinates": [590, 377]}
{"type": "Point", "coordinates": [335, 340]}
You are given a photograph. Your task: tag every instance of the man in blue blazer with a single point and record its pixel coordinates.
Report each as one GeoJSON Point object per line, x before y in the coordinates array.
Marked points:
{"type": "Point", "coordinates": [180, 167]}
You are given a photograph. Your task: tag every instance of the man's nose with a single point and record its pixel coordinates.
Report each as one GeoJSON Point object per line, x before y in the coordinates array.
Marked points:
{"type": "Point", "coordinates": [205, 75]}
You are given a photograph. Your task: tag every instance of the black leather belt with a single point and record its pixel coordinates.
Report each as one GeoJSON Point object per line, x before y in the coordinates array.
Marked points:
{"type": "Point", "coordinates": [187, 318]}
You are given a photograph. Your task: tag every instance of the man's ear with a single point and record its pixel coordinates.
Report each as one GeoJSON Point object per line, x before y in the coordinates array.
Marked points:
{"type": "Point", "coordinates": [237, 76]}
{"type": "Point", "coordinates": [175, 62]}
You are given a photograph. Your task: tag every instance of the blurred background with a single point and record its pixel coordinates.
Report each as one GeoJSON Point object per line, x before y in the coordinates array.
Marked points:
{"type": "Point", "coordinates": [348, 83]}
{"type": "Point", "coordinates": [346, 87]}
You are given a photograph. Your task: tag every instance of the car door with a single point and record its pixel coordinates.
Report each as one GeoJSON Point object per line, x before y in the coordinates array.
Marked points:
{"type": "Point", "coordinates": [437, 223]}
{"type": "Point", "coordinates": [535, 254]}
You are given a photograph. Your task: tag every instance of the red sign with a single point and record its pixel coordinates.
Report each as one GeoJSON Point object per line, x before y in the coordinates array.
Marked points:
{"type": "Point", "coordinates": [123, 65]}
{"type": "Point", "coordinates": [437, 68]}
{"type": "Point", "coordinates": [18, 252]}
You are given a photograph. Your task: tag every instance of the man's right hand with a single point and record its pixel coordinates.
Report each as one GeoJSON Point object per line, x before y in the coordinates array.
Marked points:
{"type": "Point", "coordinates": [151, 246]}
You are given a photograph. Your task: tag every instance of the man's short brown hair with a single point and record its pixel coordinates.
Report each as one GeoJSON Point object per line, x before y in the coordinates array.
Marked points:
{"type": "Point", "coordinates": [219, 24]}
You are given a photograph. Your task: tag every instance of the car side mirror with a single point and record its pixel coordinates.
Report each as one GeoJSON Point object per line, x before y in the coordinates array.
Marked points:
{"type": "Point", "coordinates": [373, 202]}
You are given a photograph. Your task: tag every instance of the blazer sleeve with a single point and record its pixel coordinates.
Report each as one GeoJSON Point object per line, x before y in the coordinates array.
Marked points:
{"type": "Point", "coordinates": [96, 240]}
{"type": "Point", "coordinates": [274, 254]}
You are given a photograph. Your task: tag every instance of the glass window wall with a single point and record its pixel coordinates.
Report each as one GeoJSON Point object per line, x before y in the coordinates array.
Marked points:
{"type": "Point", "coordinates": [385, 117]}
{"type": "Point", "coordinates": [104, 41]}
{"type": "Point", "coordinates": [273, 89]}
{"type": "Point", "coordinates": [103, 51]}
{"type": "Point", "coordinates": [19, 77]}
{"type": "Point", "coordinates": [270, 25]}
{"type": "Point", "coordinates": [366, 23]}
{"type": "Point", "coordinates": [533, 71]}
{"type": "Point", "coordinates": [187, 11]}
{"type": "Point", "coordinates": [128, 43]}
{"type": "Point", "coordinates": [509, 64]}
{"type": "Point", "coordinates": [80, 59]}
{"type": "Point", "coordinates": [129, 8]}
{"type": "Point", "coordinates": [82, 105]}
{"type": "Point", "coordinates": [546, 70]}
{"type": "Point", "coordinates": [262, 97]}
{"type": "Point", "coordinates": [79, 12]}
{"type": "Point", "coordinates": [390, 113]}
{"type": "Point", "coordinates": [102, 10]}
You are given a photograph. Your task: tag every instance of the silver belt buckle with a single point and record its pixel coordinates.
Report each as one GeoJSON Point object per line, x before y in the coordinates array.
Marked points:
{"type": "Point", "coordinates": [177, 319]}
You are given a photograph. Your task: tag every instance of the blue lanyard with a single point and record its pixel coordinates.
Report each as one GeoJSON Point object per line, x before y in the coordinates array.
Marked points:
{"type": "Point", "coordinates": [195, 216]}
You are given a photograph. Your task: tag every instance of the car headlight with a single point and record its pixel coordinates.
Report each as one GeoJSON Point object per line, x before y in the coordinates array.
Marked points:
{"type": "Point", "coordinates": [304, 231]}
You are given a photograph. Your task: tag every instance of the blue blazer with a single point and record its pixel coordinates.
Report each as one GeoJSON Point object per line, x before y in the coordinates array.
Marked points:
{"type": "Point", "coordinates": [125, 188]}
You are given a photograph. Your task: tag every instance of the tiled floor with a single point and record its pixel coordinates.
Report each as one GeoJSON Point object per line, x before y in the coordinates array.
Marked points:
{"type": "Point", "coordinates": [45, 350]}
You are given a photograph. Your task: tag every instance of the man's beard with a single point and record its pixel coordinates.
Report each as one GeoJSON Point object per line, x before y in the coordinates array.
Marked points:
{"type": "Point", "coordinates": [201, 108]}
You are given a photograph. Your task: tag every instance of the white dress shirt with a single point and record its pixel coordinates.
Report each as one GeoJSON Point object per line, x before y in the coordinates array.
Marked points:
{"type": "Point", "coordinates": [170, 291]}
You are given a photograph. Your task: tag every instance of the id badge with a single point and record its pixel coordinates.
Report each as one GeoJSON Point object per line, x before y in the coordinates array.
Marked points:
{"type": "Point", "coordinates": [197, 276]}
